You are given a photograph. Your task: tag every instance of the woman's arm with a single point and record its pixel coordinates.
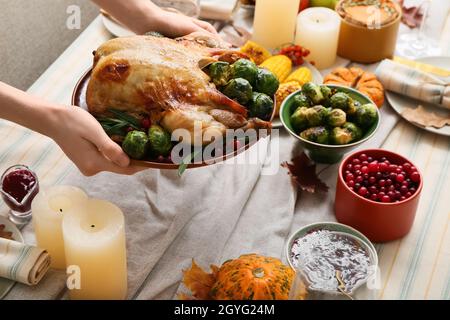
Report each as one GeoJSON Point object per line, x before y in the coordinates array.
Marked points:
{"type": "Point", "coordinates": [78, 134]}
{"type": "Point", "coordinates": [142, 16]}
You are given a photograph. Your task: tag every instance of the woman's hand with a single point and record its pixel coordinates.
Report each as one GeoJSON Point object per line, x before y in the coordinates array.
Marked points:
{"type": "Point", "coordinates": [175, 25]}
{"type": "Point", "coordinates": [85, 142]}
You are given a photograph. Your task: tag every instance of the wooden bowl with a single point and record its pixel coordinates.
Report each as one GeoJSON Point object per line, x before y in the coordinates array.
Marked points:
{"type": "Point", "coordinates": [79, 99]}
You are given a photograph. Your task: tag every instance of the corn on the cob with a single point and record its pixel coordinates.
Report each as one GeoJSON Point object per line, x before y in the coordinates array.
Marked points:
{"type": "Point", "coordinates": [280, 65]}
{"type": "Point", "coordinates": [283, 91]}
{"type": "Point", "coordinates": [256, 52]}
{"type": "Point", "coordinates": [301, 75]}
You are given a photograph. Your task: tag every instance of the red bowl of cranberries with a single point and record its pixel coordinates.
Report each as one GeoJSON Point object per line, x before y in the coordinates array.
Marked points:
{"type": "Point", "coordinates": [377, 193]}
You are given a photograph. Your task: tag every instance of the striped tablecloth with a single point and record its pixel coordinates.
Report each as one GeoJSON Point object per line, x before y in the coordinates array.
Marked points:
{"type": "Point", "coordinates": [415, 267]}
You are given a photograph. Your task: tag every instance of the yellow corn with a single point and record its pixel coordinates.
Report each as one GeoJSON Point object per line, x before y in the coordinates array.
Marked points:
{"type": "Point", "coordinates": [280, 65]}
{"type": "Point", "coordinates": [283, 91]}
{"type": "Point", "coordinates": [301, 75]}
{"type": "Point", "coordinates": [256, 52]}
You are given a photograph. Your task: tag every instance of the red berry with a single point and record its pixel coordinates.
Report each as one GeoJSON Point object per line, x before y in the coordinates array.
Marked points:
{"type": "Point", "coordinates": [382, 183]}
{"type": "Point", "coordinates": [403, 189]}
{"type": "Point", "coordinates": [145, 123]}
{"type": "Point", "coordinates": [408, 194]}
{"type": "Point", "coordinates": [373, 189]}
{"type": "Point", "coordinates": [400, 178]}
{"type": "Point", "coordinates": [363, 157]}
{"type": "Point", "coordinates": [349, 177]}
{"type": "Point", "coordinates": [357, 167]}
{"type": "Point", "coordinates": [402, 198]}
{"type": "Point", "coordinates": [359, 179]}
{"type": "Point", "coordinates": [349, 167]}
{"type": "Point", "coordinates": [356, 161]}
{"type": "Point", "coordinates": [372, 180]}
{"type": "Point", "coordinates": [415, 177]}
{"type": "Point", "coordinates": [362, 191]}
{"type": "Point", "coordinates": [388, 182]}
{"type": "Point", "coordinates": [383, 167]}
{"type": "Point", "coordinates": [406, 166]}
{"type": "Point", "coordinates": [351, 183]}
{"type": "Point", "coordinates": [373, 166]}
{"type": "Point", "coordinates": [385, 199]}
{"type": "Point", "coordinates": [365, 169]}
{"type": "Point", "coordinates": [373, 197]}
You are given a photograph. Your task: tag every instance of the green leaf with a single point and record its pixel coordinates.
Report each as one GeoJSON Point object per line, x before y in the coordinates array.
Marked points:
{"type": "Point", "coordinates": [132, 121]}
{"type": "Point", "coordinates": [186, 161]}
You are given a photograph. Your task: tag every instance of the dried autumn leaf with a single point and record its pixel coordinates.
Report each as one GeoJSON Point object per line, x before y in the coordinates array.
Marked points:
{"type": "Point", "coordinates": [412, 16]}
{"type": "Point", "coordinates": [198, 282]}
{"type": "Point", "coordinates": [303, 172]}
{"type": "Point", "coordinates": [5, 234]}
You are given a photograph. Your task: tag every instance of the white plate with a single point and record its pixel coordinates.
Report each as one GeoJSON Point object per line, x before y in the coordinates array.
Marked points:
{"type": "Point", "coordinates": [400, 103]}
{"type": "Point", "coordinates": [316, 78]}
{"type": "Point", "coordinates": [116, 28]}
{"type": "Point", "coordinates": [6, 284]}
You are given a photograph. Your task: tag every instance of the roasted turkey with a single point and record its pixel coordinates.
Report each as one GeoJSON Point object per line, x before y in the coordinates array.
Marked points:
{"type": "Point", "coordinates": [163, 78]}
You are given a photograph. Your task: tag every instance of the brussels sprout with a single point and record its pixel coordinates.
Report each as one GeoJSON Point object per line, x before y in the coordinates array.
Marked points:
{"type": "Point", "coordinates": [300, 100]}
{"type": "Point", "coordinates": [326, 92]}
{"type": "Point", "coordinates": [245, 69]}
{"type": "Point", "coordinates": [366, 115]}
{"type": "Point", "coordinates": [298, 119]}
{"type": "Point", "coordinates": [266, 82]}
{"type": "Point", "coordinates": [341, 100]}
{"type": "Point", "coordinates": [260, 106]}
{"type": "Point", "coordinates": [336, 118]}
{"type": "Point", "coordinates": [355, 131]}
{"type": "Point", "coordinates": [316, 115]}
{"type": "Point", "coordinates": [313, 92]}
{"type": "Point", "coordinates": [239, 89]}
{"type": "Point", "coordinates": [160, 144]}
{"type": "Point", "coordinates": [316, 134]}
{"type": "Point", "coordinates": [340, 136]}
{"type": "Point", "coordinates": [220, 72]}
{"type": "Point", "coordinates": [351, 111]}
{"type": "Point", "coordinates": [135, 144]}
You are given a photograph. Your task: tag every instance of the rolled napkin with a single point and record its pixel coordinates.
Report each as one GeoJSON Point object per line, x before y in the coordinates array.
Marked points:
{"type": "Point", "coordinates": [23, 263]}
{"type": "Point", "coordinates": [217, 9]}
{"type": "Point", "coordinates": [414, 83]}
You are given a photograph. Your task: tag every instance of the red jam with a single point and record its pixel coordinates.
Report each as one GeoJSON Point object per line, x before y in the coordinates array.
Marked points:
{"type": "Point", "coordinates": [20, 187]}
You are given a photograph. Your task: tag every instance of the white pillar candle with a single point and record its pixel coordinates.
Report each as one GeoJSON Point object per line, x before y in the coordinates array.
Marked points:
{"type": "Point", "coordinates": [48, 209]}
{"type": "Point", "coordinates": [94, 240]}
{"type": "Point", "coordinates": [318, 31]}
{"type": "Point", "coordinates": [274, 22]}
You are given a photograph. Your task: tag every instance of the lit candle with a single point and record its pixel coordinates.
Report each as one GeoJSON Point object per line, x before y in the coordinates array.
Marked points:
{"type": "Point", "coordinates": [318, 31]}
{"type": "Point", "coordinates": [49, 207]}
{"type": "Point", "coordinates": [274, 22]}
{"type": "Point", "coordinates": [94, 240]}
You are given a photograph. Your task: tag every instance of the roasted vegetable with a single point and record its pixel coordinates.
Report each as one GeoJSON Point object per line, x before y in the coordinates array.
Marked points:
{"type": "Point", "coordinates": [298, 119]}
{"type": "Point", "coordinates": [160, 144]}
{"type": "Point", "coordinates": [266, 82]}
{"type": "Point", "coordinates": [220, 72]}
{"type": "Point", "coordinates": [336, 118]}
{"type": "Point", "coordinates": [300, 100]}
{"type": "Point", "coordinates": [354, 130]}
{"type": "Point", "coordinates": [326, 91]}
{"type": "Point", "coordinates": [239, 89]}
{"type": "Point", "coordinates": [341, 100]}
{"type": "Point", "coordinates": [284, 91]}
{"type": "Point", "coordinates": [279, 65]}
{"type": "Point", "coordinates": [244, 69]}
{"type": "Point", "coordinates": [366, 115]}
{"type": "Point", "coordinates": [340, 136]}
{"type": "Point", "coordinates": [260, 106]}
{"type": "Point", "coordinates": [316, 134]}
{"type": "Point", "coordinates": [136, 144]}
{"type": "Point", "coordinates": [256, 52]}
{"type": "Point", "coordinates": [302, 75]}
{"type": "Point", "coordinates": [313, 92]}
{"type": "Point", "coordinates": [316, 115]}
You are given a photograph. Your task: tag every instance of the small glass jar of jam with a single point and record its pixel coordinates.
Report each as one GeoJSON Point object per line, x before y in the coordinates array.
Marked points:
{"type": "Point", "coordinates": [19, 186]}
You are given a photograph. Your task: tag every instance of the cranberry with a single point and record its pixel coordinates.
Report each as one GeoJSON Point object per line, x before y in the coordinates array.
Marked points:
{"type": "Point", "coordinates": [363, 157]}
{"type": "Point", "coordinates": [415, 177]}
{"type": "Point", "coordinates": [406, 166]}
{"type": "Point", "coordinates": [403, 189]}
{"type": "Point", "coordinates": [373, 197]}
{"type": "Point", "coordinates": [385, 199]}
{"type": "Point", "coordinates": [349, 167]}
{"type": "Point", "coordinates": [369, 159]}
{"type": "Point", "coordinates": [358, 172]}
{"type": "Point", "coordinates": [373, 189]}
{"type": "Point", "coordinates": [408, 194]}
{"type": "Point", "coordinates": [351, 183]}
{"type": "Point", "coordinates": [356, 167]}
{"type": "Point", "coordinates": [383, 167]}
{"type": "Point", "coordinates": [382, 183]}
{"type": "Point", "coordinates": [356, 161]}
{"type": "Point", "coordinates": [362, 191]}
{"type": "Point", "coordinates": [359, 179]}
{"type": "Point", "coordinates": [400, 178]}
{"type": "Point", "coordinates": [412, 190]}
{"type": "Point", "coordinates": [383, 159]}
{"type": "Point", "coordinates": [378, 175]}
{"type": "Point", "coordinates": [357, 186]}
{"type": "Point", "coordinates": [145, 123]}
{"type": "Point", "coordinates": [388, 182]}
{"type": "Point", "coordinates": [364, 169]}
{"type": "Point", "coordinates": [383, 189]}
{"type": "Point", "coordinates": [372, 180]}
{"type": "Point", "coordinates": [373, 166]}
{"type": "Point", "coordinates": [365, 163]}
{"type": "Point", "coordinates": [402, 198]}
{"type": "Point", "coordinates": [381, 194]}
{"type": "Point", "coordinates": [349, 177]}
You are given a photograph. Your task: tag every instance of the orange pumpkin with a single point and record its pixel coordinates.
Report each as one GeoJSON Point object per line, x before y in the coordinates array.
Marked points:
{"type": "Point", "coordinates": [365, 82]}
{"type": "Point", "coordinates": [253, 277]}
